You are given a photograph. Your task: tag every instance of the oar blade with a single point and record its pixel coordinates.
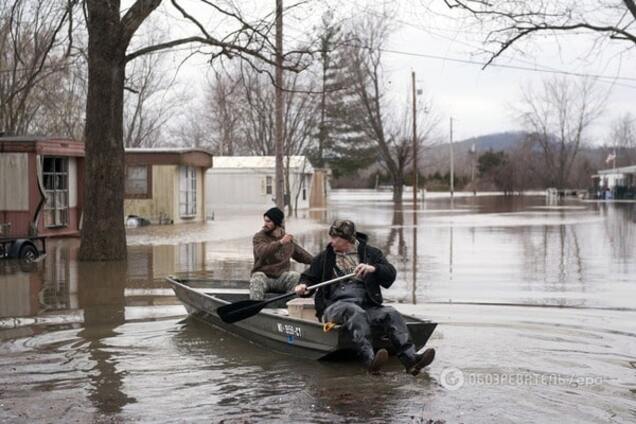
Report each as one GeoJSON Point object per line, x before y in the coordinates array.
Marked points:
{"type": "Point", "coordinates": [239, 310]}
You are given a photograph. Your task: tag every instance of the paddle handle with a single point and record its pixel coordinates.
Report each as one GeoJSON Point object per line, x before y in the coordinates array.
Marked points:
{"type": "Point", "coordinates": [315, 286]}
{"type": "Point", "coordinates": [325, 283]}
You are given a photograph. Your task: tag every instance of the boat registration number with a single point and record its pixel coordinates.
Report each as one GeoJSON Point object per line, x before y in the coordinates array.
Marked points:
{"type": "Point", "coordinates": [290, 330]}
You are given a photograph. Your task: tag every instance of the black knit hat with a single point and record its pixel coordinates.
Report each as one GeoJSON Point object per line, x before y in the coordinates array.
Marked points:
{"type": "Point", "coordinates": [275, 215]}
{"type": "Point", "coordinates": [343, 228]}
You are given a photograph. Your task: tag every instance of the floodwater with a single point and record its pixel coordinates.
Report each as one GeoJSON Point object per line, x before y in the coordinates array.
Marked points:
{"type": "Point", "coordinates": [535, 302]}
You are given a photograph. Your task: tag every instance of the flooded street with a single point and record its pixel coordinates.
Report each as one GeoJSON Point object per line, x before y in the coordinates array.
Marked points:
{"type": "Point", "coordinates": [535, 302]}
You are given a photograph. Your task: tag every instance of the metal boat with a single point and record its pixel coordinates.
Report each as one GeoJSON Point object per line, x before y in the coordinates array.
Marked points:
{"type": "Point", "coordinates": [273, 327]}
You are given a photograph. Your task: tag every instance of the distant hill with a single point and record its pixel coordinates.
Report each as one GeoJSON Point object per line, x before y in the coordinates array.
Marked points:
{"type": "Point", "coordinates": [497, 141]}
{"type": "Point", "coordinates": [436, 158]}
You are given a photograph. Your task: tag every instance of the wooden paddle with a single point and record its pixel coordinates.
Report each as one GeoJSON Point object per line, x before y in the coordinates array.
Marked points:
{"type": "Point", "coordinates": [246, 308]}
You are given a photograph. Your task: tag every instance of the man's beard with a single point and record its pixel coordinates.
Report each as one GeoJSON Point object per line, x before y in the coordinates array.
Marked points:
{"type": "Point", "coordinates": [276, 231]}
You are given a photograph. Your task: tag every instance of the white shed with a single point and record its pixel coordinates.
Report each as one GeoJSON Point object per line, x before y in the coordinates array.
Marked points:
{"type": "Point", "coordinates": [247, 182]}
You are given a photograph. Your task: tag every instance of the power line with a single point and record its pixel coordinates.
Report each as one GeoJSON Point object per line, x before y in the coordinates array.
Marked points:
{"type": "Point", "coordinates": [545, 69]}
{"type": "Point", "coordinates": [516, 67]}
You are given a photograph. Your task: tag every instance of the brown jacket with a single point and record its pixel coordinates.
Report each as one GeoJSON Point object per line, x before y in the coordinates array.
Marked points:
{"type": "Point", "coordinates": [272, 257]}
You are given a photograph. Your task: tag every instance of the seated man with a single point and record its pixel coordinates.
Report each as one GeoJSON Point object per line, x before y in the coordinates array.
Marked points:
{"type": "Point", "coordinates": [357, 303]}
{"type": "Point", "coordinates": [272, 252]}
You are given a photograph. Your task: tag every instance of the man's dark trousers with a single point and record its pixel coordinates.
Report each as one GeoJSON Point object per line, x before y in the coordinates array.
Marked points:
{"type": "Point", "coordinates": [361, 320]}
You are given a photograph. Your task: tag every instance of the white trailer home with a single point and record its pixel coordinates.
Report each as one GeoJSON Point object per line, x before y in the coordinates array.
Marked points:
{"type": "Point", "coordinates": [247, 182]}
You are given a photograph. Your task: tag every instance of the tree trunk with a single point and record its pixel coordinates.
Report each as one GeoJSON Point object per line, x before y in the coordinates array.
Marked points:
{"type": "Point", "coordinates": [398, 187]}
{"type": "Point", "coordinates": [103, 236]}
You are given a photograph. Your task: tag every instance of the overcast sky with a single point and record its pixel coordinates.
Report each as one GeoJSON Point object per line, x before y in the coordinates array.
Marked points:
{"type": "Point", "coordinates": [432, 41]}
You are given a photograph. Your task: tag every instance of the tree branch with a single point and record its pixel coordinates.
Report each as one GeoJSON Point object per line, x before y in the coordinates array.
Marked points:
{"type": "Point", "coordinates": [135, 16]}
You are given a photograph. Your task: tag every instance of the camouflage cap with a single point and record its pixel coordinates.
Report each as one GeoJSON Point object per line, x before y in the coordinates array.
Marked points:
{"type": "Point", "coordinates": [343, 228]}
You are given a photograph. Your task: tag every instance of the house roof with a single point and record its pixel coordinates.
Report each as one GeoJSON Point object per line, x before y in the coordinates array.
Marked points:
{"type": "Point", "coordinates": [165, 150]}
{"type": "Point", "coordinates": [32, 138]}
{"type": "Point", "coordinates": [43, 145]}
{"type": "Point", "coordinates": [169, 156]}
{"type": "Point", "coordinates": [246, 162]}
{"type": "Point", "coordinates": [622, 170]}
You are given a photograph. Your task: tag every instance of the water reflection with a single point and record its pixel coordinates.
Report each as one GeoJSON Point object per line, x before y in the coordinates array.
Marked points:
{"type": "Point", "coordinates": [245, 382]}
{"type": "Point", "coordinates": [61, 289]}
{"type": "Point", "coordinates": [396, 233]}
{"type": "Point", "coordinates": [101, 297]}
{"type": "Point", "coordinates": [106, 336]}
{"type": "Point", "coordinates": [538, 253]}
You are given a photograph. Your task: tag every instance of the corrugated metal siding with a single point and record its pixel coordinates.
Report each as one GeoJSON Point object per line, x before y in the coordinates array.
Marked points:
{"type": "Point", "coordinates": [14, 182]}
{"type": "Point", "coordinates": [20, 223]}
{"type": "Point", "coordinates": [165, 184]}
{"type": "Point", "coordinates": [245, 188]}
{"type": "Point", "coordinates": [160, 205]}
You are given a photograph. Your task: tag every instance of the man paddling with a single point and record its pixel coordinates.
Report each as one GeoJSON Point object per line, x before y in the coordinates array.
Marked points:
{"type": "Point", "coordinates": [357, 303]}
{"type": "Point", "coordinates": [273, 249]}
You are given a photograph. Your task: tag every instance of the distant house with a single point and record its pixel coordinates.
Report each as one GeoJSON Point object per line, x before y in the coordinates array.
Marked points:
{"type": "Point", "coordinates": [40, 186]}
{"type": "Point", "coordinates": [166, 186]}
{"type": "Point", "coordinates": [248, 182]}
{"type": "Point", "coordinates": [617, 183]}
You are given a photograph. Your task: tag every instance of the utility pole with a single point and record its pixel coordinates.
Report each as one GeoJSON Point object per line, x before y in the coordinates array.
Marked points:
{"type": "Point", "coordinates": [280, 187]}
{"type": "Point", "coordinates": [414, 151]}
{"type": "Point", "coordinates": [473, 153]}
{"type": "Point", "coordinates": [452, 161]}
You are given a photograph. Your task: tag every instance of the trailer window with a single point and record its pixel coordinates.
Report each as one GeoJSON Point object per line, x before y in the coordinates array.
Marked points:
{"type": "Point", "coordinates": [137, 182]}
{"type": "Point", "coordinates": [188, 192]}
{"type": "Point", "coordinates": [268, 185]}
{"type": "Point", "coordinates": [55, 179]}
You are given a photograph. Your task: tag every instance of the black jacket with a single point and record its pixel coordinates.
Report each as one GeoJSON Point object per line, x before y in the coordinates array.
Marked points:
{"type": "Point", "coordinates": [321, 269]}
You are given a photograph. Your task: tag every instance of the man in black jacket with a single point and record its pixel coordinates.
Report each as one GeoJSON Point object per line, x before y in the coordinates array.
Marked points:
{"type": "Point", "coordinates": [357, 303]}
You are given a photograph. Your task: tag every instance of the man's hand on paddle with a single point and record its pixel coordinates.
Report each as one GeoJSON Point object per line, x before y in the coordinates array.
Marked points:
{"type": "Point", "coordinates": [301, 290]}
{"type": "Point", "coordinates": [362, 270]}
{"type": "Point", "coordinates": [287, 238]}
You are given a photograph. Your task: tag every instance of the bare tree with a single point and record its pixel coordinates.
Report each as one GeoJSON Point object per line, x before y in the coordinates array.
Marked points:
{"type": "Point", "coordinates": [225, 114]}
{"type": "Point", "coordinates": [558, 115]}
{"type": "Point", "coordinates": [390, 136]}
{"type": "Point", "coordinates": [299, 124]}
{"type": "Point", "coordinates": [622, 140]}
{"type": "Point", "coordinates": [32, 41]}
{"type": "Point", "coordinates": [299, 119]}
{"type": "Point", "coordinates": [251, 109]}
{"type": "Point", "coordinates": [194, 128]}
{"type": "Point", "coordinates": [61, 101]}
{"type": "Point", "coordinates": [257, 108]}
{"type": "Point", "coordinates": [110, 31]}
{"type": "Point", "coordinates": [515, 20]}
{"type": "Point", "coordinates": [149, 102]}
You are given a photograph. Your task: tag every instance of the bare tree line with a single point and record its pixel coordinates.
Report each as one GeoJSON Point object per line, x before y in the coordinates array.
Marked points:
{"type": "Point", "coordinates": [339, 113]}
{"type": "Point", "coordinates": [106, 44]}
{"type": "Point", "coordinates": [507, 23]}
{"type": "Point", "coordinates": [40, 87]}
{"type": "Point", "coordinates": [84, 55]}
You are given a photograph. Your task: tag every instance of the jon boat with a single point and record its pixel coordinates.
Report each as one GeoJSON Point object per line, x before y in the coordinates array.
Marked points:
{"type": "Point", "coordinates": [293, 330]}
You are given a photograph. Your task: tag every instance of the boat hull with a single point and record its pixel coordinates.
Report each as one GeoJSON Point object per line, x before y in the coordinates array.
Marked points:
{"type": "Point", "coordinates": [283, 333]}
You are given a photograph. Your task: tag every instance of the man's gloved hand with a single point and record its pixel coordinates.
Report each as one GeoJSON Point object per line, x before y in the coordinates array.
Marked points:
{"type": "Point", "coordinates": [362, 270]}
{"type": "Point", "coordinates": [301, 290]}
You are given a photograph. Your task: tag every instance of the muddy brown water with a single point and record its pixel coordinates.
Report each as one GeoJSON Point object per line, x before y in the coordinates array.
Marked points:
{"type": "Point", "coordinates": [535, 302]}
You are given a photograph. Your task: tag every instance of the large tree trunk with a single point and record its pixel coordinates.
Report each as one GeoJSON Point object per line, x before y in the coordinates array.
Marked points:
{"type": "Point", "coordinates": [398, 187]}
{"type": "Point", "coordinates": [103, 234]}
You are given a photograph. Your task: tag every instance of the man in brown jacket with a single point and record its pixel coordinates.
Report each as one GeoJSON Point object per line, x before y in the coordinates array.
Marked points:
{"type": "Point", "coordinates": [273, 249]}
